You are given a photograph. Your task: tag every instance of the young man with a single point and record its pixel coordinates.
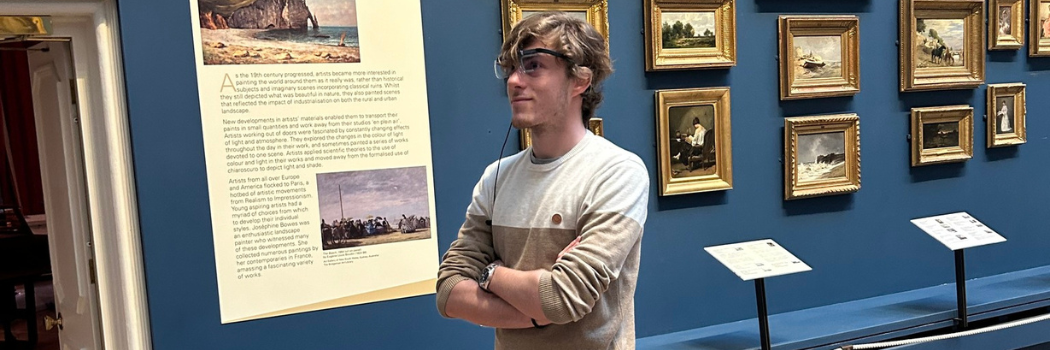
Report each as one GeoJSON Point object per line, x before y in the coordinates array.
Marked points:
{"type": "Point", "coordinates": [549, 252]}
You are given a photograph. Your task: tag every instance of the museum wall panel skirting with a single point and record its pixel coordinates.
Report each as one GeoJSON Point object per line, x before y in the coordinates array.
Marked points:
{"type": "Point", "coordinates": [860, 243]}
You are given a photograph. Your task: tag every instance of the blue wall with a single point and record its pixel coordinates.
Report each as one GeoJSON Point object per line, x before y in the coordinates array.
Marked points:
{"type": "Point", "coordinates": [860, 245]}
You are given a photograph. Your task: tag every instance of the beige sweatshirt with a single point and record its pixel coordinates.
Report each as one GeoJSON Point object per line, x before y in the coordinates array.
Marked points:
{"type": "Point", "coordinates": [599, 191]}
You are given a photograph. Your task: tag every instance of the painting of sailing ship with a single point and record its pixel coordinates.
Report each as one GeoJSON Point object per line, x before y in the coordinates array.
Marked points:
{"type": "Point", "coordinates": [821, 156]}
{"type": "Point", "coordinates": [818, 56]}
{"type": "Point", "coordinates": [368, 207]}
{"type": "Point", "coordinates": [278, 31]}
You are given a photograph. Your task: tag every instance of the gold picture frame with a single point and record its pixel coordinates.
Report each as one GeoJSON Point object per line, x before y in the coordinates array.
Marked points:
{"type": "Point", "coordinates": [819, 56]}
{"type": "Point", "coordinates": [1006, 115]}
{"type": "Point", "coordinates": [1039, 22]}
{"type": "Point", "coordinates": [595, 125]}
{"type": "Point", "coordinates": [691, 163]}
{"type": "Point", "coordinates": [1005, 24]}
{"type": "Point", "coordinates": [941, 44]}
{"type": "Point", "coordinates": [941, 134]}
{"type": "Point", "coordinates": [596, 12]}
{"type": "Point", "coordinates": [669, 46]}
{"type": "Point", "coordinates": [821, 155]}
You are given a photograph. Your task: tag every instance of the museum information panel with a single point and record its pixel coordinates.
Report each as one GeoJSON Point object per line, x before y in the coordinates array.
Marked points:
{"type": "Point", "coordinates": [958, 230]}
{"type": "Point", "coordinates": [757, 259]}
{"type": "Point", "coordinates": [317, 143]}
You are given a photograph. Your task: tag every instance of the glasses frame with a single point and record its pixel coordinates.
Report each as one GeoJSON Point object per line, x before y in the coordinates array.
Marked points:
{"type": "Point", "coordinates": [503, 75]}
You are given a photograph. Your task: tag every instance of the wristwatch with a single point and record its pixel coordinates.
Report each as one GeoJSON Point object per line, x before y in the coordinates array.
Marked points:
{"type": "Point", "coordinates": [486, 276]}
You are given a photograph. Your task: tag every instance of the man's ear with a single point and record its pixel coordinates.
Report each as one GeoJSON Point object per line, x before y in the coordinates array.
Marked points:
{"type": "Point", "coordinates": [582, 83]}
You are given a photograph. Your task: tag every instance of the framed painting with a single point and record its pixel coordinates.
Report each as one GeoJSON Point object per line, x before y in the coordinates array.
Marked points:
{"type": "Point", "coordinates": [694, 145]}
{"type": "Point", "coordinates": [595, 125]}
{"type": "Point", "coordinates": [1005, 24]}
{"type": "Point", "coordinates": [941, 44]}
{"type": "Point", "coordinates": [1006, 115]}
{"type": "Point", "coordinates": [595, 12]}
{"type": "Point", "coordinates": [682, 34]}
{"type": "Point", "coordinates": [1039, 37]}
{"type": "Point", "coordinates": [819, 56]}
{"type": "Point", "coordinates": [821, 155]}
{"type": "Point", "coordinates": [941, 134]}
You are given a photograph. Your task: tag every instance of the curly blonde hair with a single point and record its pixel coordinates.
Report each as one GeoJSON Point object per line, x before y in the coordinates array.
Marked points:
{"type": "Point", "coordinates": [571, 36]}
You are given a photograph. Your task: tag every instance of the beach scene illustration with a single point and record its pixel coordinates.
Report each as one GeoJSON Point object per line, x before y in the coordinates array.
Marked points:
{"type": "Point", "coordinates": [278, 31]}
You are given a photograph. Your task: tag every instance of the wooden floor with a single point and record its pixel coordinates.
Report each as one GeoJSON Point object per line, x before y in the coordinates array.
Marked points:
{"type": "Point", "coordinates": [45, 300]}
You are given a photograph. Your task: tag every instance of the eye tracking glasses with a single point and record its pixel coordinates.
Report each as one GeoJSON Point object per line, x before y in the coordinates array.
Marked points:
{"type": "Point", "coordinates": [528, 62]}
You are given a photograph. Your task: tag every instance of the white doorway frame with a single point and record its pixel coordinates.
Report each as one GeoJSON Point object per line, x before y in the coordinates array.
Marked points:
{"type": "Point", "coordinates": [93, 30]}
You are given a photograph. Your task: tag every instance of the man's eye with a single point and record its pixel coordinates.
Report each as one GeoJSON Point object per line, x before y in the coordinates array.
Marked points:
{"type": "Point", "coordinates": [530, 65]}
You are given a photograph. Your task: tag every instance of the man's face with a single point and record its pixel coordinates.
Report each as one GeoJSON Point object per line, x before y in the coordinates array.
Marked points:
{"type": "Point", "coordinates": [539, 98]}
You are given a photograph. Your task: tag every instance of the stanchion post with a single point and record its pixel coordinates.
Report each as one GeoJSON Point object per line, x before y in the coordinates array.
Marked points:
{"type": "Point", "coordinates": [960, 287]}
{"type": "Point", "coordinates": [763, 314]}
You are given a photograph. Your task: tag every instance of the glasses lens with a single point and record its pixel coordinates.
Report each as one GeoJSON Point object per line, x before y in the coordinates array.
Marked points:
{"type": "Point", "coordinates": [529, 63]}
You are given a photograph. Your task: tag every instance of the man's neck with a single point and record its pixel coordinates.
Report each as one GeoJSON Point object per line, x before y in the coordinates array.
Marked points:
{"type": "Point", "coordinates": [553, 143]}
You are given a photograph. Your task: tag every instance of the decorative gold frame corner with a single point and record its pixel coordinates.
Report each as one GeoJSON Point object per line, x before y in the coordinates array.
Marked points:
{"type": "Point", "coordinates": [595, 125]}
{"type": "Point", "coordinates": [1019, 134]}
{"type": "Point", "coordinates": [849, 124]}
{"type": "Point", "coordinates": [723, 55]}
{"type": "Point", "coordinates": [597, 12]}
{"type": "Point", "coordinates": [968, 76]}
{"type": "Point", "coordinates": [1007, 42]}
{"type": "Point", "coordinates": [1037, 47]}
{"type": "Point", "coordinates": [847, 28]}
{"type": "Point", "coordinates": [961, 114]}
{"type": "Point", "coordinates": [722, 178]}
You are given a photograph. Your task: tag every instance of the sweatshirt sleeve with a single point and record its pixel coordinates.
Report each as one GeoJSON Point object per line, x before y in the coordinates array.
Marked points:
{"type": "Point", "coordinates": [472, 250]}
{"type": "Point", "coordinates": [611, 224]}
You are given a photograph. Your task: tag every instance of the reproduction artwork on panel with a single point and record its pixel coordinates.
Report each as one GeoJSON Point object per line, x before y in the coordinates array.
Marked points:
{"type": "Point", "coordinates": [1039, 37]}
{"type": "Point", "coordinates": [1006, 115]}
{"type": "Point", "coordinates": [694, 146]}
{"type": "Point", "coordinates": [820, 56]}
{"type": "Point", "coordinates": [941, 134]}
{"type": "Point", "coordinates": [360, 208]}
{"type": "Point", "coordinates": [942, 44]}
{"type": "Point", "coordinates": [595, 125]}
{"type": "Point", "coordinates": [690, 34]}
{"type": "Point", "coordinates": [595, 12]}
{"type": "Point", "coordinates": [314, 31]}
{"type": "Point", "coordinates": [822, 155]}
{"type": "Point", "coordinates": [1005, 24]}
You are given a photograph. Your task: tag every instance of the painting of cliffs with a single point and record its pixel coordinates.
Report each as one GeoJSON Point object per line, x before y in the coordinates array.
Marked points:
{"type": "Point", "coordinates": [278, 31]}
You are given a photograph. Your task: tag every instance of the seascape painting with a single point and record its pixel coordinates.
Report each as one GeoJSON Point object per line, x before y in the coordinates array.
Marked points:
{"type": "Point", "coordinates": [821, 156]}
{"type": "Point", "coordinates": [939, 135]}
{"type": "Point", "coordinates": [688, 30]}
{"type": "Point", "coordinates": [692, 139]}
{"type": "Point", "coordinates": [818, 57]}
{"type": "Point", "coordinates": [940, 43]}
{"type": "Point", "coordinates": [272, 31]}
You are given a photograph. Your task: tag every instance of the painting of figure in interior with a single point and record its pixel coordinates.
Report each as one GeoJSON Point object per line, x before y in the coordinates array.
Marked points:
{"type": "Point", "coordinates": [692, 138]}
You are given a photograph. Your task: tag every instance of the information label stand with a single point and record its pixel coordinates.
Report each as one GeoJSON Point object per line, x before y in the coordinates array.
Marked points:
{"type": "Point", "coordinates": [757, 260]}
{"type": "Point", "coordinates": [959, 231]}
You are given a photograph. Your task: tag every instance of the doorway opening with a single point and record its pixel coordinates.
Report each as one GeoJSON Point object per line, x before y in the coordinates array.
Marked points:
{"type": "Point", "coordinates": [48, 290]}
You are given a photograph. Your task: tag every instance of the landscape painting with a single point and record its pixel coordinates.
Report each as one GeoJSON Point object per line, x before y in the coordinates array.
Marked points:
{"type": "Point", "coordinates": [272, 31]}
{"type": "Point", "coordinates": [821, 156]}
{"type": "Point", "coordinates": [939, 135]}
{"type": "Point", "coordinates": [692, 140]}
{"type": "Point", "coordinates": [688, 30]}
{"type": "Point", "coordinates": [940, 43]}
{"type": "Point", "coordinates": [818, 56]}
